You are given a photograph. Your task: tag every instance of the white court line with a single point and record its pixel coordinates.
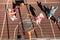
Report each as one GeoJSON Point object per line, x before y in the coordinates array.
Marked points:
{"type": "Point", "coordinates": [15, 29]}
{"type": "Point", "coordinates": [53, 30]}
{"type": "Point", "coordinates": [50, 2]}
{"type": "Point", "coordinates": [3, 26]}
{"type": "Point", "coordinates": [43, 2]}
{"type": "Point", "coordinates": [36, 2]}
{"type": "Point", "coordinates": [41, 30]}
{"type": "Point", "coordinates": [4, 3]}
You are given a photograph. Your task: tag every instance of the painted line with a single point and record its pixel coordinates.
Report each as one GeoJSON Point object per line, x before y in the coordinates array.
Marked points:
{"type": "Point", "coordinates": [4, 3]}
{"type": "Point", "coordinates": [3, 23]}
{"type": "Point", "coordinates": [35, 2]}
{"type": "Point", "coordinates": [3, 26]}
{"type": "Point", "coordinates": [41, 30]}
{"type": "Point", "coordinates": [43, 2]}
{"type": "Point", "coordinates": [52, 30]}
{"type": "Point", "coordinates": [15, 29]}
{"type": "Point", "coordinates": [52, 2]}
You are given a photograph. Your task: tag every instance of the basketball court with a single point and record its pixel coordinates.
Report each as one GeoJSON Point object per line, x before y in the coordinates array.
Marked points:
{"type": "Point", "coordinates": [13, 30]}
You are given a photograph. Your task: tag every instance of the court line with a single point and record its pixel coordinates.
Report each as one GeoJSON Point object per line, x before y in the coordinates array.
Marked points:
{"type": "Point", "coordinates": [4, 22]}
{"type": "Point", "coordinates": [43, 2]}
{"type": "Point", "coordinates": [50, 2]}
{"type": "Point", "coordinates": [41, 30]}
{"type": "Point", "coordinates": [3, 26]}
{"type": "Point", "coordinates": [15, 31]}
{"type": "Point", "coordinates": [53, 30]}
{"type": "Point", "coordinates": [4, 3]}
{"type": "Point", "coordinates": [16, 28]}
{"type": "Point", "coordinates": [36, 2]}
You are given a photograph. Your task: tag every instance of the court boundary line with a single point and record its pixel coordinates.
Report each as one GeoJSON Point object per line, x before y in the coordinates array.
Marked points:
{"type": "Point", "coordinates": [36, 2]}
{"type": "Point", "coordinates": [16, 28]}
{"type": "Point", "coordinates": [52, 2]}
{"type": "Point", "coordinates": [3, 26]}
{"type": "Point", "coordinates": [4, 3]}
{"type": "Point", "coordinates": [41, 30]}
{"type": "Point", "coordinates": [15, 31]}
{"type": "Point", "coordinates": [53, 30]}
{"type": "Point", "coordinates": [42, 2]}
{"type": "Point", "coordinates": [4, 22]}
